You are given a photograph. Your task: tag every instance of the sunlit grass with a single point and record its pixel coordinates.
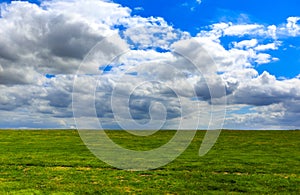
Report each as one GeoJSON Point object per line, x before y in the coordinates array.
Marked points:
{"type": "Point", "coordinates": [53, 161]}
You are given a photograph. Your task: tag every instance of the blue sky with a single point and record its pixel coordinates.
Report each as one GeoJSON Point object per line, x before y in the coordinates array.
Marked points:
{"type": "Point", "coordinates": [191, 16]}
{"type": "Point", "coordinates": [56, 52]}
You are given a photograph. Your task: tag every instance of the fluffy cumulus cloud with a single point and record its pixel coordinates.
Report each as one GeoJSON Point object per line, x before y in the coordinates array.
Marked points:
{"type": "Point", "coordinates": [129, 71]}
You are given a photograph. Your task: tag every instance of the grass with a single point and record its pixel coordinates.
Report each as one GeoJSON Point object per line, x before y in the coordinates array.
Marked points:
{"type": "Point", "coordinates": [57, 162]}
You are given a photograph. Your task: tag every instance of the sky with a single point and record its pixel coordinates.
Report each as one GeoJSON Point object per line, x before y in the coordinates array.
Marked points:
{"type": "Point", "coordinates": [181, 64]}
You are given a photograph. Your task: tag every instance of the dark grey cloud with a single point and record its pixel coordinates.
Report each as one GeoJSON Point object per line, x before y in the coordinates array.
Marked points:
{"type": "Point", "coordinates": [69, 39]}
{"type": "Point", "coordinates": [214, 88]}
{"type": "Point", "coordinates": [7, 53]}
{"type": "Point", "coordinates": [292, 105]}
{"type": "Point", "coordinates": [59, 98]}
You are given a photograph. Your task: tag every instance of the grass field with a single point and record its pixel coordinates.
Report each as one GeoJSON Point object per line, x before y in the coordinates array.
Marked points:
{"type": "Point", "coordinates": [57, 162]}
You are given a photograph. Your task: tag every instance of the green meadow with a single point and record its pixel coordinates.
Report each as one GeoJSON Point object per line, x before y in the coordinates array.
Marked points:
{"type": "Point", "coordinates": [58, 162]}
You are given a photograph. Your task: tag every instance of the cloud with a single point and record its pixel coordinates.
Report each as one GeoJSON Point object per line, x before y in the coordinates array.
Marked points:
{"type": "Point", "coordinates": [262, 92]}
{"type": "Point", "coordinates": [152, 33]}
{"type": "Point", "coordinates": [266, 90]}
{"type": "Point", "coordinates": [243, 29]}
{"type": "Point", "coordinates": [292, 27]}
{"type": "Point", "coordinates": [57, 34]}
{"type": "Point", "coordinates": [26, 75]}
{"type": "Point", "coordinates": [275, 104]}
{"type": "Point", "coordinates": [139, 9]}
{"type": "Point", "coordinates": [289, 29]}
{"type": "Point", "coordinates": [274, 116]}
{"type": "Point", "coordinates": [53, 39]}
{"type": "Point", "coordinates": [145, 64]}
{"type": "Point", "coordinates": [245, 44]}
{"type": "Point", "coordinates": [269, 46]}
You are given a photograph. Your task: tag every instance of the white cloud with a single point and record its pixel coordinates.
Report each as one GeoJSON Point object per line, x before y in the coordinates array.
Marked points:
{"type": "Point", "coordinates": [271, 100]}
{"type": "Point", "coordinates": [199, 1]}
{"type": "Point", "coordinates": [263, 92]}
{"type": "Point", "coordinates": [263, 58]}
{"type": "Point", "coordinates": [269, 46]}
{"type": "Point", "coordinates": [246, 44]}
{"type": "Point", "coordinates": [93, 12]}
{"type": "Point", "coordinates": [289, 29]}
{"type": "Point", "coordinates": [272, 31]}
{"type": "Point", "coordinates": [282, 115]}
{"type": "Point", "coordinates": [152, 33]}
{"type": "Point", "coordinates": [292, 27]}
{"type": "Point", "coordinates": [244, 29]}
{"type": "Point", "coordinates": [139, 9]}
